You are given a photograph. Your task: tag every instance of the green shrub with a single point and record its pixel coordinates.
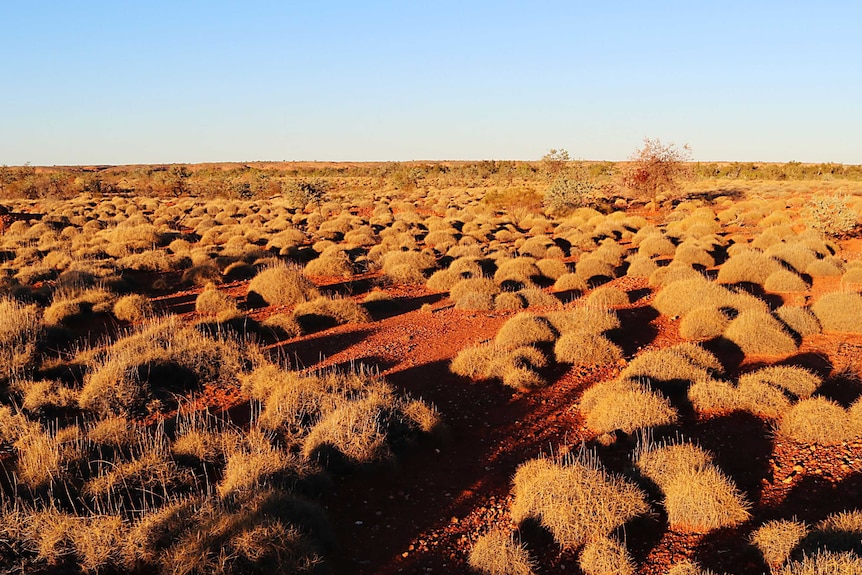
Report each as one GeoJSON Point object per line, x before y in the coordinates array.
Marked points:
{"type": "Point", "coordinates": [830, 215]}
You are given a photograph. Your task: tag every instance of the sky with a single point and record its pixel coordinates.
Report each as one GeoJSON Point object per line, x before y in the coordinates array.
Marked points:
{"type": "Point", "coordinates": [125, 82]}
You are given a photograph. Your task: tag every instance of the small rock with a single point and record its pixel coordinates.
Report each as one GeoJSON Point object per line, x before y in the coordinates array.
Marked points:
{"type": "Point", "coordinates": [454, 520]}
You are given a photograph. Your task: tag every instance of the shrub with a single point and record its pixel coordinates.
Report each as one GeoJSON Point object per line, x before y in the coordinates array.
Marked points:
{"type": "Point", "coordinates": [577, 501]}
{"type": "Point", "coordinates": [641, 266]}
{"type": "Point", "coordinates": [675, 272]}
{"type": "Point", "coordinates": [283, 325]}
{"type": "Point", "coordinates": [839, 312]}
{"type": "Point", "coordinates": [792, 379]}
{"type": "Point", "coordinates": [656, 169]}
{"type": "Point", "coordinates": [133, 308]}
{"type": "Point", "coordinates": [698, 497]}
{"type": "Point", "coordinates": [830, 215]}
{"type": "Point", "coordinates": [281, 285]}
{"type": "Point", "coordinates": [684, 362]}
{"type": "Point", "coordinates": [824, 268]}
{"type": "Point", "coordinates": [777, 539]}
{"type": "Point", "coordinates": [407, 267]}
{"type": "Point", "coordinates": [824, 563]}
{"type": "Point", "coordinates": [570, 282]}
{"type": "Point", "coordinates": [520, 272]}
{"type": "Point", "coordinates": [585, 319]}
{"type": "Point", "coordinates": [585, 348]}
{"type": "Point", "coordinates": [514, 366]}
{"type": "Point", "coordinates": [525, 329]}
{"type": "Point", "coordinates": [565, 194]}
{"type": "Point", "coordinates": [656, 245]}
{"type": "Point", "coordinates": [535, 297]}
{"type": "Point", "coordinates": [626, 405]}
{"type": "Point", "coordinates": [496, 553]}
{"type": "Point", "coordinates": [759, 333]}
{"type": "Point", "coordinates": [323, 311]}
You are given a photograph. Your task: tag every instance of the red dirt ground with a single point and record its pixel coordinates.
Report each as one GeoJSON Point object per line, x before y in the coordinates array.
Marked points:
{"type": "Point", "coordinates": [422, 514]}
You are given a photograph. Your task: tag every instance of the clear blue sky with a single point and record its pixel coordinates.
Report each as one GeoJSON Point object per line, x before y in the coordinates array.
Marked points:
{"type": "Point", "coordinates": [84, 82]}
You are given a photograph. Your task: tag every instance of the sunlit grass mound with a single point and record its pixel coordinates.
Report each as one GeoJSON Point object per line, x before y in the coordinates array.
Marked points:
{"type": "Point", "coordinates": [526, 329]}
{"type": "Point", "coordinates": [604, 555]}
{"type": "Point", "coordinates": [777, 539]}
{"type": "Point", "coordinates": [703, 323]}
{"type": "Point", "coordinates": [576, 500]}
{"type": "Point", "coordinates": [20, 328]}
{"type": "Point", "coordinates": [586, 348]}
{"type": "Point", "coordinates": [496, 553]}
{"type": "Point", "coordinates": [839, 312]}
{"type": "Point", "coordinates": [679, 298]}
{"type": "Point", "coordinates": [625, 405]}
{"type": "Point", "coordinates": [819, 420]}
{"type": "Point", "coordinates": [133, 308]}
{"type": "Point", "coordinates": [281, 286]}
{"type": "Point", "coordinates": [608, 297]}
{"type": "Point", "coordinates": [685, 362]}
{"type": "Point", "coordinates": [697, 496]}
{"type": "Point", "coordinates": [799, 319]}
{"type": "Point", "coordinates": [162, 353]}
{"type": "Point", "coordinates": [759, 333]}
{"type": "Point", "coordinates": [785, 281]}
{"type": "Point", "coordinates": [750, 266]}
{"type": "Point", "coordinates": [516, 367]}
{"type": "Point", "coordinates": [323, 312]}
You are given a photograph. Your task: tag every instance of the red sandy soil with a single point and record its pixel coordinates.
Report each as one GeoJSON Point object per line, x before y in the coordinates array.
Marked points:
{"type": "Point", "coordinates": [422, 513]}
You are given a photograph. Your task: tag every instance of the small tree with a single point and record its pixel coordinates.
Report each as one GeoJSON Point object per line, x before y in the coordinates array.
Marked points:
{"type": "Point", "coordinates": [554, 162]}
{"type": "Point", "coordinates": [657, 169]}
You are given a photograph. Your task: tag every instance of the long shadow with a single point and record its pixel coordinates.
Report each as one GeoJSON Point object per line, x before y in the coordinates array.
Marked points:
{"type": "Point", "coordinates": [308, 351]}
{"type": "Point", "coordinates": [636, 329]}
{"type": "Point", "coordinates": [390, 308]}
{"type": "Point", "coordinates": [728, 353]}
{"type": "Point", "coordinates": [843, 387]}
{"type": "Point", "coordinates": [433, 488]}
{"type": "Point", "coordinates": [730, 546]}
{"type": "Point", "coordinates": [741, 445]}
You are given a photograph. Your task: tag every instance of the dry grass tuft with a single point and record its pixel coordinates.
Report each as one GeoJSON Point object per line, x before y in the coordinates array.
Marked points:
{"type": "Point", "coordinates": [824, 563]}
{"type": "Point", "coordinates": [759, 333]}
{"type": "Point", "coordinates": [839, 312]}
{"type": "Point", "coordinates": [576, 500]}
{"type": "Point", "coordinates": [795, 380]}
{"type": "Point", "coordinates": [785, 281]}
{"type": "Point", "coordinates": [818, 420]}
{"type": "Point", "coordinates": [323, 311]}
{"type": "Point", "coordinates": [777, 539]}
{"type": "Point", "coordinates": [525, 329]}
{"type": "Point", "coordinates": [133, 308]}
{"type": "Point", "coordinates": [703, 323]}
{"type": "Point", "coordinates": [281, 285]}
{"type": "Point", "coordinates": [684, 362]}
{"type": "Point", "coordinates": [698, 497]}
{"type": "Point", "coordinates": [496, 553]}
{"type": "Point", "coordinates": [799, 319]}
{"type": "Point", "coordinates": [750, 266]}
{"type": "Point", "coordinates": [606, 556]}
{"type": "Point", "coordinates": [20, 329]}
{"type": "Point", "coordinates": [585, 348]}
{"type": "Point", "coordinates": [211, 301]}
{"type": "Point", "coordinates": [608, 297]}
{"type": "Point", "coordinates": [625, 405]}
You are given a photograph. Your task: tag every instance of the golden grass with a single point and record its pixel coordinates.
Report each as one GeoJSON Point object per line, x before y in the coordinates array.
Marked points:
{"type": "Point", "coordinates": [777, 539]}
{"type": "Point", "coordinates": [577, 501]}
{"type": "Point", "coordinates": [133, 308]}
{"type": "Point", "coordinates": [751, 266]}
{"type": "Point", "coordinates": [824, 563]}
{"type": "Point", "coordinates": [697, 496]}
{"type": "Point", "coordinates": [818, 420]}
{"type": "Point", "coordinates": [759, 333]}
{"type": "Point", "coordinates": [282, 286]}
{"type": "Point", "coordinates": [839, 312]}
{"type": "Point", "coordinates": [799, 319]}
{"type": "Point", "coordinates": [496, 553]}
{"type": "Point", "coordinates": [525, 329]}
{"type": "Point", "coordinates": [605, 556]}
{"type": "Point", "coordinates": [703, 323]}
{"type": "Point", "coordinates": [625, 405]}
